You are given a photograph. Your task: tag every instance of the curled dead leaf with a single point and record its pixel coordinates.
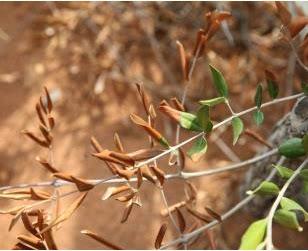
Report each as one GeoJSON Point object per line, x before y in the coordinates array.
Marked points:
{"type": "Point", "coordinates": [160, 236]}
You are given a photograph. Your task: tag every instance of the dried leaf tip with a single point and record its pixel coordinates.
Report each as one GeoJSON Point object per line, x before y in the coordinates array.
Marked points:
{"type": "Point", "coordinates": [100, 239]}
{"type": "Point", "coordinates": [160, 236]}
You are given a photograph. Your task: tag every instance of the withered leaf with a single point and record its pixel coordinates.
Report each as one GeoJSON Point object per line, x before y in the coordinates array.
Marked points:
{"type": "Point", "coordinates": [20, 246]}
{"type": "Point", "coordinates": [118, 143]}
{"type": "Point", "coordinates": [39, 195]}
{"type": "Point", "coordinates": [127, 197]}
{"type": "Point", "coordinates": [39, 114]}
{"type": "Point", "coordinates": [67, 212]}
{"type": "Point", "coordinates": [51, 121]}
{"type": "Point", "coordinates": [144, 154]}
{"type": "Point", "coordinates": [36, 139]}
{"type": "Point", "coordinates": [199, 45]}
{"type": "Point", "coordinates": [160, 236]}
{"type": "Point", "coordinates": [111, 191]}
{"type": "Point", "coordinates": [159, 174]}
{"type": "Point", "coordinates": [96, 145]}
{"type": "Point", "coordinates": [144, 98]}
{"type": "Point", "coordinates": [127, 174]}
{"type": "Point", "coordinates": [198, 215]}
{"type": "Point", "coordinates": [49, 101]}
{"type": "Point", "coordinates": [117, 158]}
{"type": "Point", "coordinates": [32, 241]}
{"type": "Point", "coordinates": [43, 106]}
{"type": "Point", "coordinates": [46, 164]}
{"type": "Point", "coordinates": [28, 224]}
{"type": "Point", "coordinates": [214, 214]}
{"type": "Point", "coordinates": [46, 134]}
{"type": "Point", "coordinates": [139, 178]}
{"type": "Point", "coordinates": [181, 220]}
{"type": "Point", "coordinates": [15, 219]}
{"type": "Point", "coordinates": [258, 137]}
{"type": "Point", "coordinates": [183, 58]}
{"type": "Point", "coordinates": [177, 104]}
{"type": "Point", "coordinates": [146, 173]}
{"type": "Point", "coordinates": [191, 191]}
{"type": "Point", "coordinates": [48, 237]}
{"type": "Point", "coordinates": [210, 235]}
{"type": "Point", "coordinates": [82, 184]}
{"type": "Point", "coordinates": [127, 211]}
{"type": "Point", "coordinates": [150, 130]}
{"type": "Point", "coordinates": [101, 240]}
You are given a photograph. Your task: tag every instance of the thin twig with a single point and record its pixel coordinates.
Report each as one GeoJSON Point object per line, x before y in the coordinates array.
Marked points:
{"type": "Point", "coordinates": [269, 240]}
{"type": "Point", "coordinates": [226, 215]}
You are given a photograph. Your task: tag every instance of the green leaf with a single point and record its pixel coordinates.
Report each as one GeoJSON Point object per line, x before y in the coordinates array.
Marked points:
{"type": "Point", "coordinates": [265, 188]}
{"type": "Point", "coordinates": [237, 126]}
{"type": "Point", "coordinates": [189, 121]}
{"type": "Point", "coordinates": [213, 101]}
{"type": "Point", "coordinates": [198, 149]}
{"type": "Point", "coordinates": [291, 205]}
{"type": "Point", "coordinates": [284, 172]}
{"type": "Point", "coordinates": [219, 82]}
{"type": "Point", "coordinates": [258, 117]}
{"type": "Point", "coordinates": [258, 96]}
{"type": "Point", "coordinates": [273, 88]}
{"type": "Point", "coordinates": [292, 148]}
{"type": "Point", "coordinates": [287, 219]}
{"type": "Point", "coordinates": [305, 142]}
{"type": "Point", "coordinates": [203, 118]}
{"type": "Point", "coordinates": [254, 235]}
{"type": "Point", "coordinates": [305, 88]}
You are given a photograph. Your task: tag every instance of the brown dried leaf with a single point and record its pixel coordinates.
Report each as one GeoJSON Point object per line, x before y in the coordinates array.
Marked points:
{"type": "Point", "coordinates": [144, 154]}
{"type": "Point", "coordinates": [181, 220]}
{"type": "Point", "coordinates": [28, 224]}
{"type": "Point", "coordinates": [96, 145]}
{"type": "Point", "coordinates": [183, 58]}
{"type": "Point", "coordinates": [50, 242]}
{"type": "Point", "coordinates": [144, 98]}
{"type": "Point", "coordinates": [101, 240]}
{"type": "Point", "coordinates": [46, 164]}
{"type": "Point", "coordinates": [159, 174]}
{"type": "Point", "coordinates": [127, 197]}
{"type": "Point", "coordinates": [177, 104]}
{"type": "Point", "coordinates": [45, 132]}
{"type": "Point", "coordinates": [51, 121]}
{"type": "Point", "coordinates": [118, 143]}
{"type": "Point", "coordinates": [63, 176]}
{"type": "Point", "coordinates": [284, 14]}
{"type": "Point", "coordinates": [200, 42]}
{"type": "Point", "coordinates": [117, 158]}
{"type": "Point", "coordinates": [258, 137]}
{"type": "Point", "coordinates": [146, 173]}
{"type": "Point", "coordinates": [139, 178]}
{"type": "Point", "coordinates": [49, 101]}
{"type": "Point", "coordinates": [39, 195]}
{"type": "Point", "coordinates": [82, 184]}
{"type": "Point", "coordinates": [43, 106]}
{"type": "Point", "coordinates": [32, 241]}
{"type": "Point", "coordinates": [127, 211]}
{"type": "Point", "coordinates": [36, 139]}
{"type": "Point", "coordinates": [20, 246]}
{"type": "Point", "coordinates": [214, 214]}
{"type": "Point", "coordinates": [150, 130]}
{"type": "Point", "coordinates": [111, 191]}
{"type": "Point", "coordinates": [198, 215]}
{"type": "Point", "coordinates": [127, 174]}
{"type": "Point", "coordinates": [210, 236]}
{"type": "Point", "coordinates": [15, 219]}
{"type": "Point", "coordinates": [191, 191]}
{"type": "Point", "coordinates": [39, 114]}
{"type": "Point", "coordinates": [160, 236]}
{"type": "Point", "coordinates": [67, 212]}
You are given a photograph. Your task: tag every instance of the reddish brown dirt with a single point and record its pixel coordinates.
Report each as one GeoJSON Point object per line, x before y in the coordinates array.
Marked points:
{"type": "Point", "coordinates": [80, 115]}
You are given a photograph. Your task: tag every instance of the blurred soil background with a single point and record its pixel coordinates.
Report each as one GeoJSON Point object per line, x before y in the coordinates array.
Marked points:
{"type": "Point", "coordinates": [89, 55]}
